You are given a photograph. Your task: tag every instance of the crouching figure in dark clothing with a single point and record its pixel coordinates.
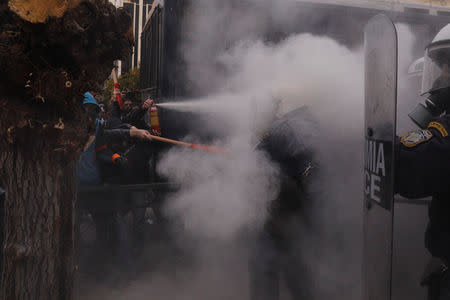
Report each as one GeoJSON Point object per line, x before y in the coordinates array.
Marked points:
{"type": "Point", "coordinates": [278, 247]}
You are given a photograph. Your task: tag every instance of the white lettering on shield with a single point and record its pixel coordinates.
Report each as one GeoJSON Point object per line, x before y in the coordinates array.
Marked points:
{"type": "Point", "coordinates": [375, 169]}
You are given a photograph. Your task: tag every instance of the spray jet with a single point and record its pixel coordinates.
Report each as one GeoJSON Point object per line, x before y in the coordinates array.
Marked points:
{"type": "Point", "coordinates": [154, 121]}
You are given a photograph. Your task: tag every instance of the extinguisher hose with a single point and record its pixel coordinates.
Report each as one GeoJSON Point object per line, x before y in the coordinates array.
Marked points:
{"type": "Point", "coordinates": [191, 145]}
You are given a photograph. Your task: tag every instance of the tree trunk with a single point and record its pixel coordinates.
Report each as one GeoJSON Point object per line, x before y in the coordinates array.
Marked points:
{"type": "Point", "coordinates": [51, 52]}
{"type": "Point", "coordinates": [39, 208]}
{"type": "Point", "coordinates": [2, 217]}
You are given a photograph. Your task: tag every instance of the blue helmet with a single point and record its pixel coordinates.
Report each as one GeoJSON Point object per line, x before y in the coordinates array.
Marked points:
{"type": "Point", "coordinates": [89, 99]}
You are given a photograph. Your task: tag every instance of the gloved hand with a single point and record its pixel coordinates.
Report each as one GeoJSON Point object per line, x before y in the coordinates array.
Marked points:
{"type": "Point", "coordinates": [120, 161]}
{"type": "Point", "coordinates": [147, 104]}
{"type": "Point", "coordinates": [155, 132]}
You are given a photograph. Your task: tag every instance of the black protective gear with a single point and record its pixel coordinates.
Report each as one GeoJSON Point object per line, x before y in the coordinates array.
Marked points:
{"type": "Point", "coordinates": [134, 117]}
{"type": "Point", "coordinates": [422, 160]}
{"type": "Point", "coordinates": [288, 143]}
{"type": "Point", "coordinates": [436, 73]}
{"type": "Point", "coordinates": [121, 162]}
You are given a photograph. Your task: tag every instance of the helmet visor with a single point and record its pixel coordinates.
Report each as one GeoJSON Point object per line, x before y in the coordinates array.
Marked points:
{"type": "Point", "coordinates": [436, 73]}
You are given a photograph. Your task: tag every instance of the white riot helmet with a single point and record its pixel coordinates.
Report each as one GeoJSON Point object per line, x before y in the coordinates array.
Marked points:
{"type": "Point", "coordinates": [416, 69]}
{"type": "Point", "coordinates": [435, 79]}
{"type": "Point", "coordinates": [436, 72]}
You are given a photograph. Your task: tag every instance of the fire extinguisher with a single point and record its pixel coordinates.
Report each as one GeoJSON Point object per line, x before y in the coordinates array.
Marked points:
{"type": "Point", "coordinates": [154, 119]}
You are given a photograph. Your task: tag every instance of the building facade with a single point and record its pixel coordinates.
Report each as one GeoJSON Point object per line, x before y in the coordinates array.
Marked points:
{"type": "Point", "coordinates": [138, 9]}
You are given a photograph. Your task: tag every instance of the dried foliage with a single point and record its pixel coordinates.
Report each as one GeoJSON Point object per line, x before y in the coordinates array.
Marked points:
{"type": "Point", "coordinates": [38, 11]}
{"type": "Point", "coordinates": [46, 67]}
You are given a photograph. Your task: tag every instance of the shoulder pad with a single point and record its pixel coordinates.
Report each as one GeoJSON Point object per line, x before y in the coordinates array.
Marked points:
{"type": "Point", "coordinates": [416, 137]}
{"type": "Point", "coordinates": [439, 127]}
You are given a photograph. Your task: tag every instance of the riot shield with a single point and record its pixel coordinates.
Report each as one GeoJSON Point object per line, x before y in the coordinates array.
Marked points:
{"type": "Point", "coordinates": [380, 46]}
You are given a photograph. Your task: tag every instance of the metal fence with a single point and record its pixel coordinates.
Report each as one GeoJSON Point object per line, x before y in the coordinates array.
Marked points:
{"type": "Point", "coordinates": [152, 39]}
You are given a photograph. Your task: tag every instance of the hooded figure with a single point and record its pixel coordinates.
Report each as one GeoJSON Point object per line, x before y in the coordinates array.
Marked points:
{"type": "Point", "coordinates": [88, 172]}
{"type": "Point", "coordinates": [97, 161]}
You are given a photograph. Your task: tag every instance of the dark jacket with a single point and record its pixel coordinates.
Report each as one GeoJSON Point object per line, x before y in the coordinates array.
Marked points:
{"type": "Point", "coordinates": [135, 117]}
{"type": "Point", "coordinates": [97, 162]}
{"type": "Point", "coordinates": [105, 154]}
{"type": "Point", "coordinates": [289, 143]}
{"type": "Point", "coordinates": [423, 169]}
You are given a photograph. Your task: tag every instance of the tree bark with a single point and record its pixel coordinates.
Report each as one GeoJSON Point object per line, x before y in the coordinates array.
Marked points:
{"type": "Point", "coordinates": [38, 239]}
{"type": "Point", "coordinates": [2, 217]}
{"type": "Point", "coordinates": [48, 61]}
{"type": "Point", "coordinates": [49, 58]}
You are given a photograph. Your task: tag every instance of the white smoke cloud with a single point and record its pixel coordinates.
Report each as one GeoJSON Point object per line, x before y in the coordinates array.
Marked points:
{"type": "Point", "coordinates": [408, 87]}
{"type": "Point", "coordinates": [220, 196]}
{"type": "Point", "coordinates": [327, 77]}
{"type": "Point", "coordinates": [223, 196]}
{"type": "Point", "coordinates": [301, 70]}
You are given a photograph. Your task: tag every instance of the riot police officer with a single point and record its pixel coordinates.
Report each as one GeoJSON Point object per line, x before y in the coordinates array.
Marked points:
{"type": "Point", "coordinates": [277, 249]}
{"type": "Point", "coordinates": [423, 155]}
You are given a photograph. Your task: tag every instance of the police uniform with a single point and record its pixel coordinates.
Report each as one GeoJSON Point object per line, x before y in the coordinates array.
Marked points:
{"type": "Point", "coordinates": [423, 160]}
{"type": "Point", "coordinates": [277, 250]}
{"type": "Point", "coordinates": [423, 169]}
